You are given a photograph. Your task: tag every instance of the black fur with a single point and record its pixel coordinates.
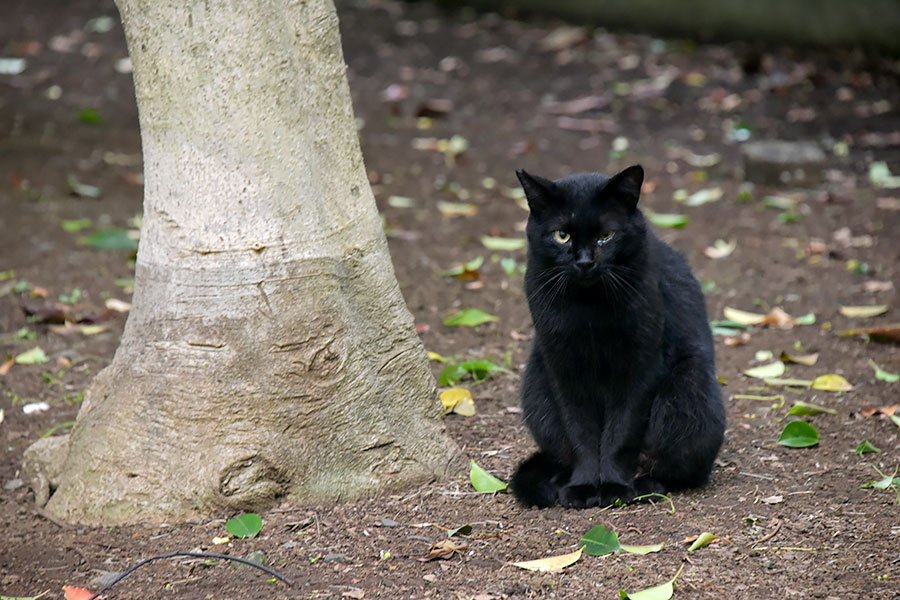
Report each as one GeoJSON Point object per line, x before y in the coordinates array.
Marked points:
{"type": "Point", "coordinates": [620, 391]}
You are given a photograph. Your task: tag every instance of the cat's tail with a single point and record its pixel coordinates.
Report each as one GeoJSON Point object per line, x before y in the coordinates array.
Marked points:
{"type": "Point", "coordinates": [537, 480]}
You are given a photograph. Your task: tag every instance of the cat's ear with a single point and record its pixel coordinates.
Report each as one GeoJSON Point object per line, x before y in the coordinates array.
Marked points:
{"type": "Point", "coordinates": [538, 191]}
{"type": "Point", "coordinates": [626, 186]}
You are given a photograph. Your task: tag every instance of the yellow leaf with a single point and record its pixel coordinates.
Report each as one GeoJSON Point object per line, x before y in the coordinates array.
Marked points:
{"type": "Point", "coordinates": [92, 329]}
{"type": "Point", "coordinates": [863, 312]}
{"type": "Point", "coordinates": [831, 383]}
{"type": "Point", "coordinates": [743, 317]}
{"type": "Point", "coordinates": [551, 563]}
{"type": "Point", "coordinates": [437, 357]}
{"type": "Point", "coordinates": [221, 540]}
{"type": "Point", "coordinates": [466, 406]}
{"type": "Point", "coordinates": [452, 398]}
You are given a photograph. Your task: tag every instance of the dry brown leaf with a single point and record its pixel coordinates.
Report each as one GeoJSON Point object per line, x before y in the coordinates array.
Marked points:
{"type": "Point", "coordinates": [779, 318]}
{"type": "Point", "coordinates": [888, 333]}
{"type": "Point", "coordinates": [887, 411]}
{"type": "Point", "coordinates": [737, 340]}
{"type": "Point", "coordinates": [443, 549]}
{"type": "Point", "coordinates": [5, 367]}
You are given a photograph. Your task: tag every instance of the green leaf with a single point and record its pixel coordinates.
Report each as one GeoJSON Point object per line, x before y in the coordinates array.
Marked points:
{"type": "Point", "coordinates": [807, 319]}
{"type": "Point", "coordinates": [896, 420]}
{"type": "Point", "coordinates": [461, 530]}
{"type": "Point", "coordinates": [75, 225]}
{"type": "Point", "coordinates": [32, 357]}
{"type": "Point", "coordinates": [703, 540]}
{"type": "Point", "coordinates": [469, 268]}
{"type": "Point", "coordinates": [110, 239]}
{"type": "Point", "coordinates": [643, 549]}
{"type": "Point", "coordinates": [803, 409]}
{"type": "Point", "coordinates": [668, 221]}
{"type": "Point", "coordinates": [799, 434]}
{"type": "Point", "coordinates": [866, 447]}
{"type": "Point", "coordinates": [480, 369]}
{"type": "Point", "coordinates": [247, 525]}
{"type": "Point", "coordinates": [470, 317]}
{"type": "Point", "coordinates": [775, 369]}
{"type": "Point", "coordinates": [599, 541]}
{"type": "Point", "coordinates": [483, 481]}
{"type": "Point", "coordinates": [90, 116]}
{"type": "Point", "coordinates": [880, 175]}
{"type": "Point", "coordinates": [663, 591]}
{"type": "Point", "coordinates": [883, 375]}
{"type": "Point", "coordinates": [502, 243]}
{"type": "Point", "coordinates": [779, 202]}
{"type": "Point", "coordinates": [509, 265]}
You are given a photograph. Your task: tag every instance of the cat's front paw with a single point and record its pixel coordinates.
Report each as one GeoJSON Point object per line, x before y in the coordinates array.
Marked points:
{"type": "Point", "coordinates": [579, 496]}
{"type": "Point", "coordinates": [615, 493]}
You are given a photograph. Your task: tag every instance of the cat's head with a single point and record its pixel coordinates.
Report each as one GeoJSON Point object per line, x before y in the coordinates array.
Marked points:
{"type": "Point", "coordinates": [585, 224]}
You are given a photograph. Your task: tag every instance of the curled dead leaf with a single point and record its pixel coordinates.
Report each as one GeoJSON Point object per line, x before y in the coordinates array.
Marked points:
{"type": "Point", "coordinates": [443, 549]}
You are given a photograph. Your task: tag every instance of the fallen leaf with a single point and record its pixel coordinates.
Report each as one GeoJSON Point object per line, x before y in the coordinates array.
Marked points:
{"type": "Point", "coordinates": [457, 209]}
{"type": "Point", "coordinates": [877, 286]}
{"type": "Point", "coordinates": [701, 197]}
{"type": "Point", "coordinates": [888, 333]}
{"type": "Point", "coordinates": [742, 317]}
{"type": "Point", "coordinates": [866, 447]}
{"type": "Point", "coordinates": [470, 317]}
{"type": "Point", "coordinates": [720, 249]}
{"type": "Point", "coordinates": [802, 359]}
{"type": "Point", "coordinates": [799, 434]}
{"type": "Point", "coordinates": [221, 540]}
{"type": "Point", "coordinates": [883, 375]}
{"type": "Point", "coordinates": [601, 540]}
{"type": "Point", "coordinates": [357, 594]}
{"type": "Point", "coordinates": [503, 244]}
{"type": "Point", "coordinates": [775, 369]}
{"type": "Point", "coordinates": [777, 499]}
{"type": "Point", "coordinates": [5, 367]}
{"type": "Point", "coordinates": [32, 357]}
{"type": "Point", "coordinates": [831, 383]}
{"type": "Point", "coordinates": [247, 525]}
{"type": "Point", "coordinates": [663, 591]}
{"type": "Point", "coordinates": [461, 530]}
{"type": "Point", "coordinates": [436, 357]}
{"type": "Point", "coordinates": [459, 401]}
{"type": "Point", "coordinates": [551, 563]}
{"type": "Point", "coordinates": [76, 593]}
{"type": "Point", "coordinates": [483, 481]}
{"type": "Point", "coordinates": [466, 271]}
{"type": "Point", "coordinates": [668, 221]}
{"type": "Point", "coordinates": [863, 312]}
{"type": "Point", "coordinates": [118, 305]}
{"type": "Point", "coordinates": [443, 549]}
{"type": "Point", "coordinates": [82, 189]}
{"type": "Point", "coordinates": [880, 176]}
{"type": "Point", "coordinates": [887, 411]}
{"type": "Point", "coordinates": [701, 541]}
{"type": "Point", "coordinates": [789, 382]}
{"type": "Point", "coordinates": [803, 409]}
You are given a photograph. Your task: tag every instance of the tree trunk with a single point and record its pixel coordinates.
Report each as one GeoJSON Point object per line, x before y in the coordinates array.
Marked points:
{"type": "Point", "coordinates": [269, 354]}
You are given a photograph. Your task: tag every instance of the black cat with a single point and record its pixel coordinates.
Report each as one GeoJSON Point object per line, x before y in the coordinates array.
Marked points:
{"type": "Point", "coordinates": [620, 391]}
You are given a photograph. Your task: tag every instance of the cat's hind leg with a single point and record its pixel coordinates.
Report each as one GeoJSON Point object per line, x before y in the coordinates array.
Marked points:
{"type": "Point", "coordinates": [538, 479]}
{"type": "Point", "coordinates": [685, 431]}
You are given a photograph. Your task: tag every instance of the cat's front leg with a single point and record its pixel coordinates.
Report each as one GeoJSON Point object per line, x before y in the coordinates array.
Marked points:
{"type": "Point", "coordinates": [583, 488]}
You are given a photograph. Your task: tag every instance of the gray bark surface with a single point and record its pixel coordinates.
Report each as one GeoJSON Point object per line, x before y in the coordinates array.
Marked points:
{"type": "Point", "coordinates": [269, 354]}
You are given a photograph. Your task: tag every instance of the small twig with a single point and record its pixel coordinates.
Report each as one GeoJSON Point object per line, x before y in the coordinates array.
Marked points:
{"type": "Point", "coordinates": [757, 476]}
{"type": "Point", "coordinates": [769, 536]}
{"type": "Point", "coordinates": [244, 561]}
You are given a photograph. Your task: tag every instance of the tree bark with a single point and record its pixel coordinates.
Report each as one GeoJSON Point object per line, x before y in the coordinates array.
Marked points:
{"type": "Point", "coordinates": [269, 354]}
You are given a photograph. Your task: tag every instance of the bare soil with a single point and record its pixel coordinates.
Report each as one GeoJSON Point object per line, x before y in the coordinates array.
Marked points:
{"type": "Point", "coordinates": [793, 523]}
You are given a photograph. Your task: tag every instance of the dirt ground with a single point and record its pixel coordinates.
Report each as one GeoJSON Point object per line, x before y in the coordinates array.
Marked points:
{"type": "Point", "coordinates": [793, 523]}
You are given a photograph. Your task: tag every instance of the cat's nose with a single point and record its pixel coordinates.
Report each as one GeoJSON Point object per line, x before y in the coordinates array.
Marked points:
{"type": "Point", "coordinates": [584, 264]}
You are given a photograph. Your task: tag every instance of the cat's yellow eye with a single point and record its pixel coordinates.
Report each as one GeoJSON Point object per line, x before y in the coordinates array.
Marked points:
{"type": "Point", "coordinates": [606, 237]}
{"type": "Point", "coordinates": [561, 236]}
